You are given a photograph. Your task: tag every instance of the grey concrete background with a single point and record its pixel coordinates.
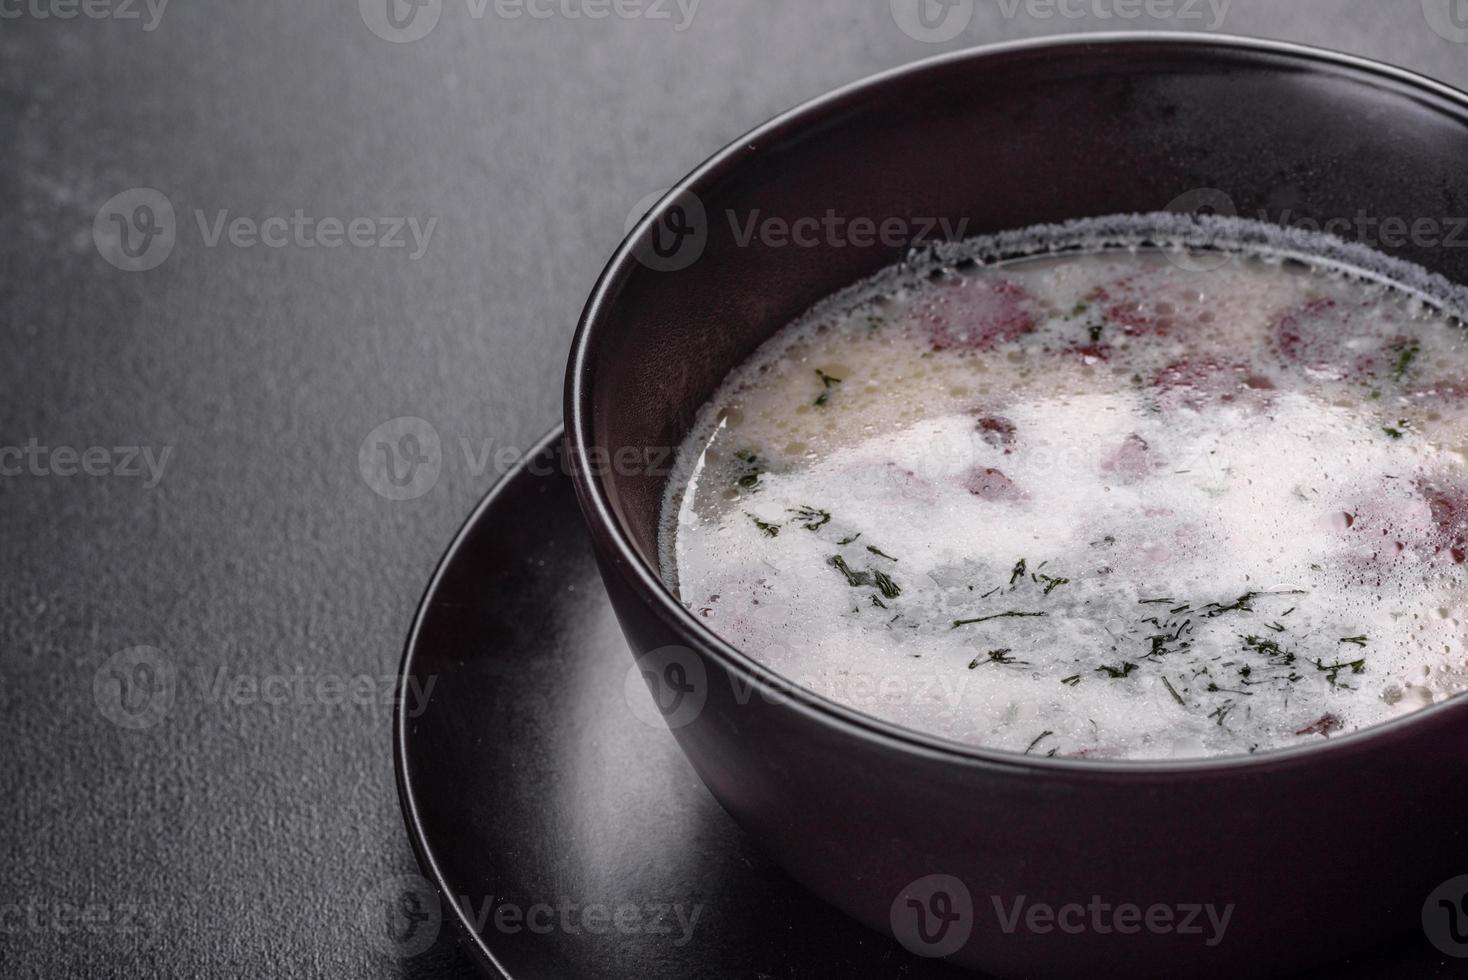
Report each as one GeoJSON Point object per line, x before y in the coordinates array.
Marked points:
{"type": "Point", "coordinates": [240, 833]}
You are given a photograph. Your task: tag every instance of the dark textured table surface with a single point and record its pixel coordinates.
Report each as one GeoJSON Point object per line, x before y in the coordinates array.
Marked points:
{"type": "Point", "coordinates": [180, 445]}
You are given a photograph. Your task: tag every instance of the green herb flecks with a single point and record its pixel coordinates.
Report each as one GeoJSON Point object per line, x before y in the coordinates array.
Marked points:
{"type": "Point", "coordinates": [1004, 615]}
{"type": "Point", "coordinates": [1003, 657]}
{"type": "Point", "coordinates": [889, 588]}
{"type": "Point", "coordinates": [1406, 355]}
{"type": "Point", "coordinates": [1332, 672]}
{"type": "Point", "coordinates": [771, 530]}
{"type": "Point", "coordinates": [1021, 568]}
{"type": "Point", "coordinates": [1173, 691]}
{"type": "Point", "coordinates": [853, 578]}
{"type": "Point", "coordinates": [827, 383]}
{"type": "Point", "coordinates": [810, 518]}
{"type": "Point", "coordinates": [1118, 673]}
{"type": "Point", "coordinates": [1244, 603]}
{"type": "Point", "coordinates": [1359, 641]}
{"type": "Point", "coordinates": [1072, 681]}
{"type": "Point", "coordinates": [1051, 582]}
{"type": "Point", "coordinates": [879, 552]}
{"type": "Point", "coordinates": [1036, 742]}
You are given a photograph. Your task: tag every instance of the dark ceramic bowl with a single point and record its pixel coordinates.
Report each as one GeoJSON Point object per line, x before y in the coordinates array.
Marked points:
{"type": "Point", "coordinates": [1316, 850]}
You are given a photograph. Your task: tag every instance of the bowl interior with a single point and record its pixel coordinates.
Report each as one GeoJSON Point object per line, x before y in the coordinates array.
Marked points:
{"type": "Point", "coordinates": [983, 142]}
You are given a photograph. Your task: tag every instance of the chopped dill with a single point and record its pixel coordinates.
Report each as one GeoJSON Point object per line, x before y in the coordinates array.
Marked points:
{"type": "Point", "coordinates": [879, 552]}
{"type": "Point", "coordinates": [827, 383]}
{"type": "Point", "coordinates": [1051, 582]}
{"type": "Point", "coordinates": [846, 541]}
{"type": "Point", "coordinates": [998, 657]}
{"type": "Point", "coordinates": [1036, 742]}
{"type": "Point", "coordinates": [771, 530]}
{"type": "Point", "coordinates": [1072, 681]}
{"type": "Point", "coordinates": [1020, 570]}
{"type": "Point", "coordinates": [811, 519]}
{"type": "Point", "coordinates": [1359, 641]}
{"type": "Point", "coordinates": [890, 589]}
{"type": "Point", "coordinates": [1406, 354]}
{"type": "Point", "coordinates": [1173, 691]}
{"type": "Point", "coordinates": [1007, 615]}
{"type": "Point", "coordinates": [853, 579]}
{"type": "Point", "coordinates": [1117, 673]}
{"type": "Point", "coordinates": [1333, 672]}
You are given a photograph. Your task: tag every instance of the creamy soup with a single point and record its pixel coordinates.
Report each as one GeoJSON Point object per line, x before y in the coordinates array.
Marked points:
{"type": "Point", "coordinates": [1118, 503]}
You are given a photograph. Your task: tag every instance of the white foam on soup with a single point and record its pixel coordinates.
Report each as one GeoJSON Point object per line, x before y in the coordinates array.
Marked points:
{"type": "Point", "coordinates": [1123, 504]}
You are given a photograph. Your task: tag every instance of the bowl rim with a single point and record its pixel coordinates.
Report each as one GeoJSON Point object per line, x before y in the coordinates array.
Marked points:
{"type": "Point", "coordinates": [647, 582]}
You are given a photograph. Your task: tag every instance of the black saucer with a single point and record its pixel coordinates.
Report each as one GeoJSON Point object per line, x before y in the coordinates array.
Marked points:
{"type": "Point", "coordinates": [529, 784]}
